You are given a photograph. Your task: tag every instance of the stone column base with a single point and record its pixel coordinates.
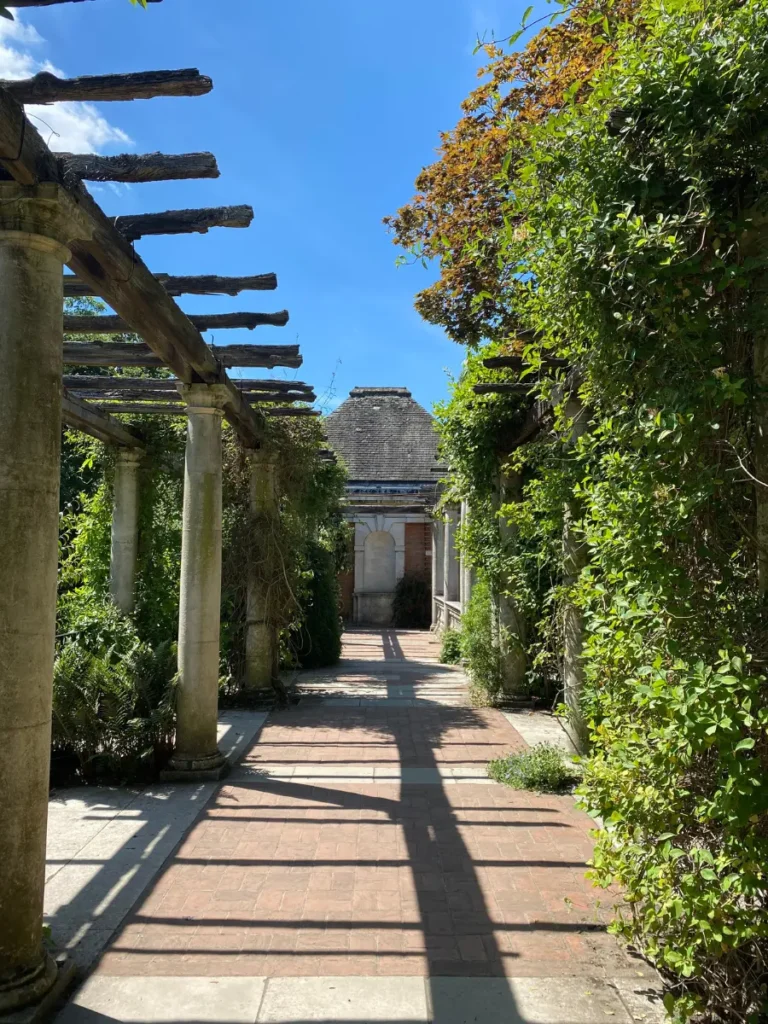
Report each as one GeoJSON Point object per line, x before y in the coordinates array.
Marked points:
{"type": "Point", "coordinates": [29, 987]}
{"type": "Point", "coordinates": [195, 769]}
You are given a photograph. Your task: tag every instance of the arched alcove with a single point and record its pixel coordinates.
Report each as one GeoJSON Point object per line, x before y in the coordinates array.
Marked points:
{"type": "Point", "coordinates": [379, 574]}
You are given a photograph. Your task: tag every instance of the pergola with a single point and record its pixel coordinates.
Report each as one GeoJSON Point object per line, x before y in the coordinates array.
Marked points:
{"type": "Point", "coordinates": [48, 220]}
{"type": "Point", "coordinates": [535, 417]}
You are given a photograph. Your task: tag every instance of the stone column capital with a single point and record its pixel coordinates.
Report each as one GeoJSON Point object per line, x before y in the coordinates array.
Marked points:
{"type": "Point", "coordinates": [131, 458]}
{"type": "Point", "coordinates": [204, 398]}
{"type": "Point", "coordinates": [261, 456]}
{"type": "Point", "coordinates": [42, 217]}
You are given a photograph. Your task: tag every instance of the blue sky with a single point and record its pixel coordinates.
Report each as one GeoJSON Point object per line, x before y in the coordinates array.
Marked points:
{"type": "Point", "coordinates": [321, 116]}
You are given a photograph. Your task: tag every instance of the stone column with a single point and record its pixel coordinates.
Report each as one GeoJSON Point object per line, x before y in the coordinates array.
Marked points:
{"type": "Point", "coordinates": [125, 529]}
{"type": "Point", "coordinates": [196, 754]}
{"type": "Point", "coordinates": [361, 532]}
{"type": "Point", "coordinates": [35, 225]}
{"type": "Point", "coordinates": [438, 554]}
{"type": "Point", "coordinates": [262, 653]}
{"type": "Point", "coordinates": [466, 573]}
{"type": "Point", "coordinates": [451, 558]}
{"type": "Point", "coordinates": [510, 623]}
{"type": "Point", "coordinates": [574, 560]}
{"type": "Point", "coordinates": [398, 535]}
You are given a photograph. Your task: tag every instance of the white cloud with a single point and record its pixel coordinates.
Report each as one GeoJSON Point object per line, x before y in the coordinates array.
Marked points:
{"type": "Point", "coordinates": [66, 127]}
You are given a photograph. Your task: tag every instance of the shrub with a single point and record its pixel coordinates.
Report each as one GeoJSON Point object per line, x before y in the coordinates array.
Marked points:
{"type": "Point", "coordinates": [478, 644]}
{"type": "Point", "coordinates": [543, 769]}
{"type": "Point", "coordinates": [411, 605]}
{"type": "Point", "coordinates": [450, 647]}
{"type": "Point", "coordinates": [113, 700]}
{"type": "Point", "coordinates": [318, 641]}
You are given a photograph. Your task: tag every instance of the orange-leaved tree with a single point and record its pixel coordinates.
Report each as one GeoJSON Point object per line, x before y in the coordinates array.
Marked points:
{"type": "Point", "coordinates": [460, 200]}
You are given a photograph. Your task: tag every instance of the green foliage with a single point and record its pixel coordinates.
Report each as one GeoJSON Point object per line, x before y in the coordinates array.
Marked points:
{"type": "Point", "coordinates": [543, 769]}
{"type": "Point", "coordinates": [478, 644]}
{"type": "Point", "coordinates": [411, 604]}
{"type": "Point", "coordinates": [112, 697]}
{"type": "Point", "coordinates": [450, 647]}
{"type": "Point", "coordinates": [634, 248]}
{"type": "Point", "coordinates": [319, 636]}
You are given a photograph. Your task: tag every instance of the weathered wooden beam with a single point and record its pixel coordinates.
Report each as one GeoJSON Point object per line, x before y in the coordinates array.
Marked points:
{"type": "Point", "coordinates": [166, 384]}
{"type": "Point", "coordinates": [292, 411]}
{"type": "Point", "coordinates": [206, 322]}
{"type": "Point", "coordinates": [50, 3]}
{"type": "Point", "coordinates": [178, 409]}
{"type": "Point", "coordinates": [142, 408]}
{"type": "Point", "coordinates": [196, 284]}
{"type": "Point", "coordinates": [91, 420]}
{"type": "Point", "coordinates": [109, 264]}
{"type": "Point", "coordinates": [518, 363]}
{"type": "Point", "coordinates": [106, 353]}
{"type": "Point", "coordinates": [183, 222]}
{"type": "Point", "coordinates": [132, 167]}
{"type": "Point", "coordinates": [142, 85]}
{"type": "Point", "coordinates": [142, 394]}
{"type": "Point", "coordinates": [505, 388]}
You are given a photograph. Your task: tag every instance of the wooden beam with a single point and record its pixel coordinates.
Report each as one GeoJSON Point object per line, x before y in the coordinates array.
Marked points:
{"type": "Point", "coordinates": [137, 168]}
{"type": "Point", "coordinates": [196, 284]}
{"type": "Point", "coordinates": [517, 363]}
{"type": "Point", "coordinates": [206, 322]}
{"type": "Point", "coordinates": [90, 420]}
{"type": "Point", "coordinates": [96, 383]}
{"type": "Point", "coordinates": [105, 353]}
{"type": "Point", "coordinates": [50, 3]}
{"type": "Point", "coordinates": [107, 263]}
{"type": "Point", "coordinates": [292, 411]}
{"type": "Point", "coordinates": [142, 408]}
{"type": "Point", "coordinates": [505, 388]}
{"type": "Point", "coordinates": [142, 85]}
{"type": "Point", "coordinates": [177, 409]}
{"type": "Point", "coordinates": [183, 222]}
{"type": "Point", "coordinates": [142, 394]}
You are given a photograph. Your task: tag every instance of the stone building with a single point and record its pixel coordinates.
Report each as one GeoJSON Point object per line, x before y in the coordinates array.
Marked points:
{"type": "Point", "coordinates": [389, 445]}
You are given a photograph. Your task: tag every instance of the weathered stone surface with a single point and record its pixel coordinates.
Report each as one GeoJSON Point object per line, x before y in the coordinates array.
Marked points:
{"type": "Point", "coordinates": [199, 610]}
{"type": "Point", "coordinates": [35, 224]}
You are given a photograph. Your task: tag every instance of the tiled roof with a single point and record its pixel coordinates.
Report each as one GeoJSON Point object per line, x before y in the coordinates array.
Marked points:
{"type": "Point", "coordinates": [382, 434]}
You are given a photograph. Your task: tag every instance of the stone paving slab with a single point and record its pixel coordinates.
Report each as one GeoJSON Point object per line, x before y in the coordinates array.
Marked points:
{"type": "Point", "coordinates": [105, 844]}
{"type": "Point", "coordinates": [394, 1000]}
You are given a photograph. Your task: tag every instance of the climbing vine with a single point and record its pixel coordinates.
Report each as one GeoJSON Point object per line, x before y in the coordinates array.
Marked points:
{"type": "Point", "coordinates": [630, 244]}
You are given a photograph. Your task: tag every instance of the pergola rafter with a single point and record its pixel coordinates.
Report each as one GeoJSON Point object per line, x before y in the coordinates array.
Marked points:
{"type": "Point", "coordinates": [194, 284]}
{"type": "Point", "coordinates": [107, 353]}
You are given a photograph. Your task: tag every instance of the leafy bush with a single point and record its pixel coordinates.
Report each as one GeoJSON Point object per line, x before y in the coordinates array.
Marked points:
{"type": "Point", "coordinates": [543, 769]}
{"type": "Point", "coordinates": [318, 642]}
{"type": "Point", "coordinates": [478, 644]}
{"type": "Point", "coordinates": [450, 647]}
{"type": "Point", "coordinates": [113, 701]}
{"type": "Point", "coordinates": [411, 604]}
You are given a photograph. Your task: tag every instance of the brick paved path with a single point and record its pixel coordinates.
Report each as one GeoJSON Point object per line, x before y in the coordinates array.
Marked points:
{"type": "Point", "coordinates": [360, 837]}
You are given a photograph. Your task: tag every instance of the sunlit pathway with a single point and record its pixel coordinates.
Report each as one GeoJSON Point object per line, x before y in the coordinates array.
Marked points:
{"type": "Point", "coordinates": [359, 866]}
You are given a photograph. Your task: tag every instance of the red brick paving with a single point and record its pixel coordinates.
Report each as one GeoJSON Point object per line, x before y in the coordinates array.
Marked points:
{"type": "Point", "coordinates": [294, 878]}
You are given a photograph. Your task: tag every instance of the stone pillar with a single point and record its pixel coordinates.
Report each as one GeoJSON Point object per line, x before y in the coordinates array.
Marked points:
{"type": "Point", "coordinates": [125, 529]}
{"type": "Point", "coordinates": [35, 225]}
{"type": "Point", "coordinates": [262, 654]}
{"type": "Point", "coordinates": [510, 624]}
{"type": "Point", "coordinates": [196, 754]}
{"type": "Point", "coordinates": [398, 534]}
{"type": "Point", "coordinates": [574, 560]}
{"type": "Point", "coordinates": [438, 554]}
{"type": "Point", "coordinates": [361, 532]}
{"type": "Point", "coordinates": [451, 558]}
{"type": "Point", "coordinates": [466, 572]}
